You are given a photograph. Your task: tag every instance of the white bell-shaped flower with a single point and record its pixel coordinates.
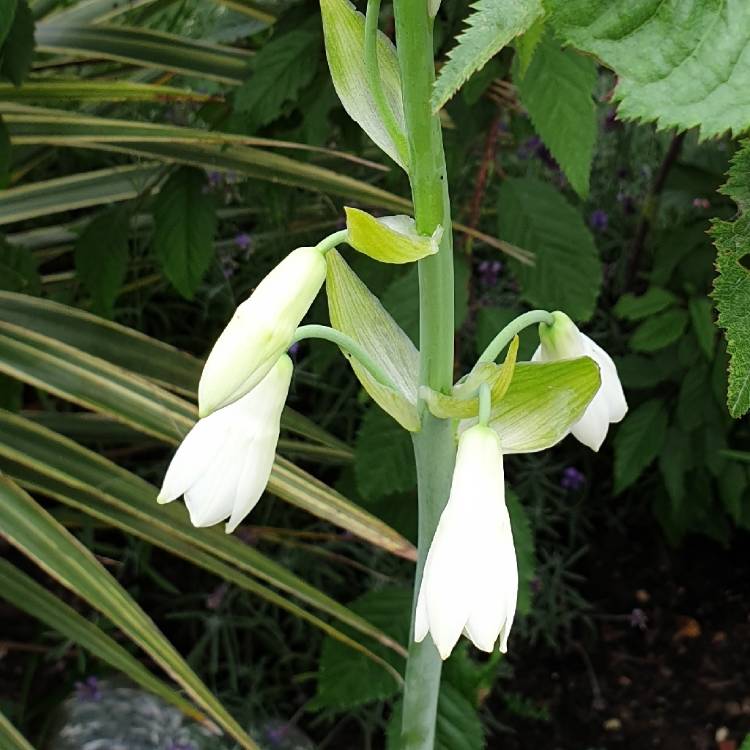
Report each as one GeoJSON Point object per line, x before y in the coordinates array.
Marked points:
{"type": "Point", "coordinates": [563, 340]}
{"type": "Point", "coordinates": [223, 464]}
{"type": "Point", "coordinates": [470, 578]}
{"type": "Point", "coordinates": [261, 330]}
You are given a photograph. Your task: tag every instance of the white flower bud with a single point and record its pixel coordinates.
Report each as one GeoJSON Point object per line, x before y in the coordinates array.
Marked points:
{"type": "Point", "coordinates": [470, 578]}
{"type": "Point", "coordinates": [223, 464]}
{"type": "Point", "coordinates": [261, 330]}
{"type": "Point", "coordinates": [563, 340]}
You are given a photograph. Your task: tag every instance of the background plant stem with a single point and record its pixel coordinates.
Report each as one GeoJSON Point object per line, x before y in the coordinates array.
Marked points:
{"type": "Point", "coordinates": [434, 447]}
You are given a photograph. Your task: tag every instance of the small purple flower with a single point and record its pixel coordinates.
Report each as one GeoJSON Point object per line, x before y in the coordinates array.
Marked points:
{"type": "Point", "coordinates": [489, 272]}
{"type": "Point", "coordinates": [638, 619]}
{"type": "Point", "coordinates": [294, 349]}
{"type": "Point", "coordinates": [88, 690]}
{"type": "Point", "coordinates": [277, 733]}
{"type": "Point", "coordinates": [702, 203]}
{"type": "Point", "coordinates": [214, 179]}
{"type": "Point", "coordinates": [572, 479]}
{"type": "Point", "coordinates": [599, 220]}
{"type": "Point", "coordinates": [243, 241]}
{"type": "Point", "coordinates": [610, 121]}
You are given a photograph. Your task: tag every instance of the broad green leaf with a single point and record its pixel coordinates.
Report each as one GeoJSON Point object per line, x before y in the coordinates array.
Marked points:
{"type": "Point", "coordinates": [383, 457]}
{"type": "Point", "coordinates": [281, 69]}
{"type": "Point", "coordinates": [26, 594]}
{"type": "Point", "coordinates": [526, 45]}
{"type": "Point", "coordinates": [523, 541]}
{"type": "Point", "coordinates": [354, 310]}
{"type": "Point", "coordinates": [184, 226]}
{"type": "Point", "coordinates": [653, 300]}
{"type": "Point", "coordinates": [66, 89]}
{"type": "Point", "coordinates": [101, 258]}
{"type": "Point", "coordinates": [675, 461]}
{"type": "Point", "coordinates": [60, 468]}
{"type": "Point", "coordinates": [10, 737]}
{"type": "Point", "coordinates": [147, 48]}
{"type": "Point", "coordinates": [567, 273]}
{"type": "Point", "coordinates": [18, 50]}
{"type": "Point", "coordinates": [732, 285]}
{"type": "Point", "coordinates": [679, 64]}
{"type": "Point", "coordinates": [98, 385]}
{"type": "Point", "coordinates": [18, 272]}
{"type": "Point", "coordinates": [6, 19]}
{"type": "Point", "coordinates": [491, 25]}
{"type": "Point", "coordinates": [659, 331]}
{"type": "Point", "coordinates": [638, 442]}
{"type": "Point", "coordinates": [543, 402]}
{"type": "Point", "coordinates": [30, 528]}
{"type": "Point", "coordinates": [557, 91]}
{"type": "Point", "coordinates": [465, 400]}
{"type": "Point", "coordinates": [344, 30]}
{"type": "Point", "coordinates": [701, 316]}
{"type": "Point", "coordinates": [389, 239]}
{"type": "Point", "coordinates": [346, 680]}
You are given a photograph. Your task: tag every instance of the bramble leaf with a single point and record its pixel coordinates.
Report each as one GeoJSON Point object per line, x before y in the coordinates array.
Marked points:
{"type": "Point", "coordinates": [567, 274]}
{"type": "Point", "coordinates": [491, 25]}
{"type": "Point", "coordinates": [679, 64]}
{"type": "Point", "coordinates": [184, 225]}
{"type": "Point", "coordinates": [556, 90]}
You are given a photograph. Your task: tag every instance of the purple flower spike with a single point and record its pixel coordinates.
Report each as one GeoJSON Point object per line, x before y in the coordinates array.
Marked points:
{"type": "Point", "coordinates": [599, 220]}
{"type": "Point", "coordinates": [243, 241]}
{"type": "Point", "coordinates": [572, 479]}
{"type": "Point", "coordinates": [88, 690]}
{"type": "Point", "coordinates": [489, 272]}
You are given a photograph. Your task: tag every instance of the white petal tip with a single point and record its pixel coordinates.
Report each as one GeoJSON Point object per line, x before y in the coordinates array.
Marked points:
{"type": "Point", "coordinates": [163, 498]}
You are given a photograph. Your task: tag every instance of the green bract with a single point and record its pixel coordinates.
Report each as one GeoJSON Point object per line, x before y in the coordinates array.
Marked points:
{"type": "Point", "coordinates": [344, 29]}
{"type": "Point", "coordinates": [542, 403]}
{"type": "Point", "coordinates": [389, 239]}
{"type": "Point", "coordinates": [355, 311]}
{"type": "Point", "coordinates": [464, 402]}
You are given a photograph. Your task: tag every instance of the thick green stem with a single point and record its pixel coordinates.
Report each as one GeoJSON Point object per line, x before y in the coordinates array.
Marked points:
{"type": "Point", "coordinates": [434, 447]}
{"type": "Point", "coordinates": [333, 240]}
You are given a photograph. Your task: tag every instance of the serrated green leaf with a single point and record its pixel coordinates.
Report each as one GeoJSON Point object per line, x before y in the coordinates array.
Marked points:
{"type": "Point", "coordinates": [653, 300]}
{"type": "Point", "coordinates": [383, 457]}
{"type": "Point", "coordinates": [638, 442]}
{"type": "Point", "coordinates": [18, 50]}
{"type": "Point", "coordinates": [701, 316]}
{"type": "Point", "coordinates": [101, 258]}
{"type": "Point", "coordinates": [556, 90]}
{"type": "Point", "coordinates": [526, 44]}
{"type": "Point", "coordinates": [281, 69]}
{"type": "Point", "coordinates": [491, 25]}
{"type": "Point", "coordinates": [390, 239]}
{"type": "Point", "coordinates": [659, 331]}
{"type": "Point", "coordinates": [18, 272]}
{"type": "Point", "coordinates": [523, 541]}
{"type": "Point", "coordinates": [543, 402]}
{"type": "Point", "coordinates": [184, 226]}
{"type": "Point", "coordinates": [567, 273]}
{"type": "Point", "coordinates": [357, 312]}
{"type": "Point", "coordinates": [732, 285]}
{"type": "Point", "coordinates": [344, 31]}
{"type": "Point", "coordinates": [679, 64]}
{"type": "Point", "coordinates": [347, 680]}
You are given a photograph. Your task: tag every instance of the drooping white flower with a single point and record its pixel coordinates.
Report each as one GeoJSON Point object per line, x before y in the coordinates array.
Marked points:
{"type": "Point", "coordinates": [223, 464]}
{"type": "Point", "coordinates": [470, 578]}
{"type": "Point", "coordinates": [261, 330]}
{"type": "Point", "coordinates": [563, 340]}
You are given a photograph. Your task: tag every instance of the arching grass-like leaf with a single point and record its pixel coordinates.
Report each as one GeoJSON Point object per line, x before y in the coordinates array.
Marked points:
{"type": "Point", "coordinates": [30, 528]}
{"type": "Point", "coordinates": [10, 737]}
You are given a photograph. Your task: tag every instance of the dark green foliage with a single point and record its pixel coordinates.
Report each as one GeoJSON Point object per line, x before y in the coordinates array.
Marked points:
{"type": "Point", "coordinates": [17, 51]}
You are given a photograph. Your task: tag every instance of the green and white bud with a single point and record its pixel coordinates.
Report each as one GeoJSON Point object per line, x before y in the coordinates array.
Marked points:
{"type": "Point", "coordinates": [562, 340]}
{"type": "Point", "coordinates": [261, 330]}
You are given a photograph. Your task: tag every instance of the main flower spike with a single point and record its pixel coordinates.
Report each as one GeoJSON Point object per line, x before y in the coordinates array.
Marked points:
{"type": "Point", "coordinates": [223, 464]}
{"type": "Point", "coordinates": [261, 330]}
{"type": "Point", "coordinates": [563, 340]}
{"type": "Point", "coordinates": [470, 579]}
